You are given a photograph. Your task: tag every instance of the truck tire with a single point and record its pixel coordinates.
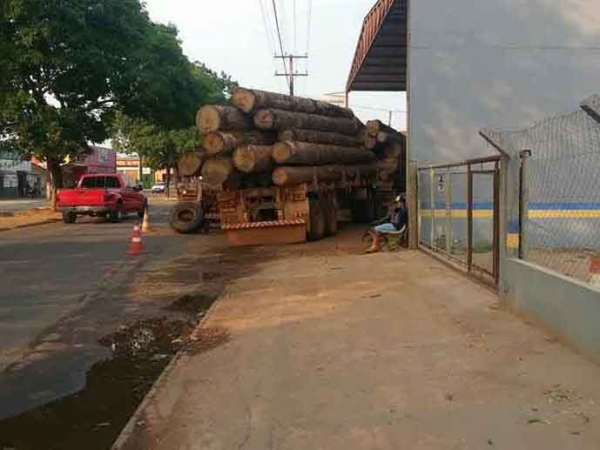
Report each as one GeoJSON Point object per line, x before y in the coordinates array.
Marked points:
{"type": "Point", "coordinates": [186, 217]}
{"type": "Point", "coordinates": [317, 220]}
{"type": "Point", "coordinates": [69, 217]}
{"type": "Point", "coordinates": [116, 214]}
{"type": "Point", "coordinates": [143, 211]}
{"type": "Point", "coordinates": [331, 221]}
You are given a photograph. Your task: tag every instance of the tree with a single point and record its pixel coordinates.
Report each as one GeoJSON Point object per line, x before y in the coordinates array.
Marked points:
{"type": "Point", "coordinates": [158, 148]}
{"type": "Point", "coordinates": [65, 65]}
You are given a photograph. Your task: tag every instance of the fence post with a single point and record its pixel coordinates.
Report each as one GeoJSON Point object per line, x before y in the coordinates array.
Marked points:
{"type": "Point", "coordinates": [432, 207]}
{"type": "Point", "coordinates": [449, 230]}
{"type": "Point", "coordinates": [469, 218]}
{"type": "Point", "coordinates": [413, 206]}
{"type": "Point", "coordinates": [523, 204]}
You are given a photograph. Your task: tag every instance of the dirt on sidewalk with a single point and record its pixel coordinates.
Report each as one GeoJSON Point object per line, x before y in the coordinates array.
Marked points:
{"type": "Point", "coordinates": [331, 349]}
{"type": "Point", "coordinates": [29, 217]}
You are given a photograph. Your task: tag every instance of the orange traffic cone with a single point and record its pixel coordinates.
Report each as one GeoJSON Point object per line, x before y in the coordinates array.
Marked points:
{"type": "Point", "coordinates": [146, 221]}
{"type": "Point", "coordinates": [136, 247]}
{"type": "Point", "coordinates": [595, 270]}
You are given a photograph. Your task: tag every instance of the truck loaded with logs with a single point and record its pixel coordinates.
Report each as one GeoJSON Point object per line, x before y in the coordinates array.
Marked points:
{"type": "Point", "coordinates": [286, 169]}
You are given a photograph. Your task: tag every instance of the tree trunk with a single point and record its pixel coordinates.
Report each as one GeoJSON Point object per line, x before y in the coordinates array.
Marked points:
{"type": "Point", "coordinates": [168, 181]}
{"type": "Point", "coordinates": [276, 119]}
{"type": "Point", "coordinates": [320, 137]}
{"type": "Point", "coordinates": [216, 171]}
{"type": "Point", "coordinates": [251, 100]}
{"type": "Point", "coordinates": [189, 164]}
{"type": "Point", "coordinates": [374, 127]}
{"type": "Point", "coordinates": [307, 154]}
{"type": "Point", "coordinates": [223, 144]}
{"type": "Point", "coordinates": [289, 175]}
{"type": "Point", "coordinates": [225, 118]}
{"type": "Point", "coordinates": [253, 158]}
{"type": "Point", "coordinates": [55, 179]}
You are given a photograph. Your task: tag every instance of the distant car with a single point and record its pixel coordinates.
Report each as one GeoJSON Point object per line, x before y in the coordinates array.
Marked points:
{"type": "Point", "coordinates": [158, 188]}
{"type": "Point", "coordinates": [104, 195]}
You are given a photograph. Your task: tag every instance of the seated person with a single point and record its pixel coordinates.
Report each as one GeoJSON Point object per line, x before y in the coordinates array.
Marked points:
{"type": "Point", "coordinates": [395, 220]}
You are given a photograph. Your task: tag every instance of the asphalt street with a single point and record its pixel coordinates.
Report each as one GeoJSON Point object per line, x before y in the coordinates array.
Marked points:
{"type": "Point", "coordinates": [55, 284]}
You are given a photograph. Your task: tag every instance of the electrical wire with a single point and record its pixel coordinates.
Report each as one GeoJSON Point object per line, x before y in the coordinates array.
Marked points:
{"type": "Point", "coordinates": [281, 43]}
{"type": "Point", "coordinates": [295, 29]}
{"type": "Point", "coordinates": [267, 28]}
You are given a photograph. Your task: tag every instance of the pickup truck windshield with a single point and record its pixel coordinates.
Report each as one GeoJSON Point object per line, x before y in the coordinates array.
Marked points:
{"type": "Point", "coordinates": [100, 183]}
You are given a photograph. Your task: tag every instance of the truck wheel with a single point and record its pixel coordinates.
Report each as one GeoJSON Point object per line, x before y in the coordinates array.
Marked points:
{"type": "Point", "coordinates": [143, 211]}
{"type": "Point", "coordinates": [317, 220]}
{"type": "Point", "coordinates": [331, 221]}
{"type": "Point", "coordinates": [116, 215]}
{"type": "Point", "coordinates": [69, 217]}
{"type": "Point", "coordinates": [186, 217]}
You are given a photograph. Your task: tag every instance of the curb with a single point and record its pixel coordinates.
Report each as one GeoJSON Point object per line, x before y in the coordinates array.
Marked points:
{"type": "Point", "coordinates": [129, 428]}
{"type": "Point", "coordinates": [28, 225]}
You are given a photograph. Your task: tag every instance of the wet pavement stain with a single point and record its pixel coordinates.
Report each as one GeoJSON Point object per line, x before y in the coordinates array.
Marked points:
{"type": "Point", "coordinates": [93, 417]}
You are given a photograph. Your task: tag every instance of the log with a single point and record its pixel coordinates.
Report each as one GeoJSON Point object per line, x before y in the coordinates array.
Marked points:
{"type": "Point", "coordinates": [374, 127]}
{"type": "Point", "coordinates": [226, 118]}
{"type": "Point", "coordinates": [388, 165]}
{"type": "Point", "coordinates": [384, 137]}
{"type": "Point", "coordinates": [277, 119]}
{"type": "Point", "coordinates": [320, 137]}
{"type": "Point", "coordinates": [370, 142]}
{"type": "Point", "coordinates": [309, 154]}
{"type": "Point", "coordinates": [216, 171]}
{"type": "Point", "coordinates": [292, 175]}
{"type": "Point", "coordinates": [252, 158]}
{"type": "Point", "coordinates": [223, 144]}
{"type": "Point", "coordinates": [189, 164]}
{"type": "Point", "coordinates": [251, 100]}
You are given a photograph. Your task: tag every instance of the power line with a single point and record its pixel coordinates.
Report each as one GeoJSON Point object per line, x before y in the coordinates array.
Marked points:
{"type": "Point", "coordinates": [266, 26]}
{"type": "Point", "coordinates": [295, 30]}
{"type": "Point", "coordinates": [280, 42]}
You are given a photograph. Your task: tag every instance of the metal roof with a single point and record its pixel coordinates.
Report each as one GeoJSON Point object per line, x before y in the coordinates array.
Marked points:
{"type": "Point", "coordinates": [380, 58]}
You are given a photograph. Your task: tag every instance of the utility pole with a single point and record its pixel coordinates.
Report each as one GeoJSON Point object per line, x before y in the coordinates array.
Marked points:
{"type": "Point", "coordinates": [291, 73]}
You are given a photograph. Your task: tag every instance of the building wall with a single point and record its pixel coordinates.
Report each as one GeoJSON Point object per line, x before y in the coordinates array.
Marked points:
{"type": "Point", "coordinates": [498, 63]}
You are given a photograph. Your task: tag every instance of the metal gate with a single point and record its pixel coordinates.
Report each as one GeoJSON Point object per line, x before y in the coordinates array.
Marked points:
{"type": "Point", "coordinates": [459, 214]}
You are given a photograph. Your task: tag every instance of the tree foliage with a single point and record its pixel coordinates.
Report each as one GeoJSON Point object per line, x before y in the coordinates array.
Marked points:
{"type": "Point", "coordinates": [68, 66]}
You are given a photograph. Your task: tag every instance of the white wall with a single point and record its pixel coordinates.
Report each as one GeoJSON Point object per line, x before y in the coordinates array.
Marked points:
{"type": "Point", "coordinates": [499, 63]}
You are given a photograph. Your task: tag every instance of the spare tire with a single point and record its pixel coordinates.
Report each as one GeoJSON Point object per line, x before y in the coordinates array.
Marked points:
{"type": "Point", "coordinates": [186, 217]}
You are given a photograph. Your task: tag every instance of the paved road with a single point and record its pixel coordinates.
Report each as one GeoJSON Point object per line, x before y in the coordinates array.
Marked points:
{"type": "Point", "coordinates": [53, 308]}
{"type": "Point", "coordinates": [21, 204]}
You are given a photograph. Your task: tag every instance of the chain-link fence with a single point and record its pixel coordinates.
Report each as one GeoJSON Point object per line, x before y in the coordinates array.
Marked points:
{"type": "Point", "coordinates": [559, 195]}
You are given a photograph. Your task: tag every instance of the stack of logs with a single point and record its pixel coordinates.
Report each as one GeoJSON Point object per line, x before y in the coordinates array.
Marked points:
{"type": "Point", "coordinates": [267, 138]}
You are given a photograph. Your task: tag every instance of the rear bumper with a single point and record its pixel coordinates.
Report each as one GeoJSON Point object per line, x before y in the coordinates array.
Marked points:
{"type": "Point", "coordinates": [85, 210]}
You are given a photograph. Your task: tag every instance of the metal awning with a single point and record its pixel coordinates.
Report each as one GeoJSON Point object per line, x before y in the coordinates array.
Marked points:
{"type": "Point", "coordinates": [380, 58]}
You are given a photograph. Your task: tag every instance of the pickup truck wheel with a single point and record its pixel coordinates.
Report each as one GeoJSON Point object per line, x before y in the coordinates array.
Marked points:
{"type": "Point", "coordinates": [186, 217]}
{"type": "Point", "coordinates": [69, 217]}
{"type": "Point", "coordinates": [317, 220]}
{"type": "Point", "coordinates": [143, 211]}
{"type": "Point", "coordinates": [116, 215]}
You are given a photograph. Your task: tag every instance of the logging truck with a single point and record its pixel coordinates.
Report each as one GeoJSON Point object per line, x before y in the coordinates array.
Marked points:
{"type": "Point", "coordinates": [293, 211]}
{"type": "Point", "coordinates": [288, 169]}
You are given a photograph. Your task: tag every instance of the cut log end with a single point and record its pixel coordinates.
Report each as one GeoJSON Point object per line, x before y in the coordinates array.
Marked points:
{"type": "Point", "coordinates": [216, 171]}
{"type": "Point", "coordinates": [244, 99]}
{"type": "Point", "coordinates": [264, 119]}
{"type": "Point", "coordinates": [208, 119]}
{"type": "Point", "coordinates": [189, 164]}
{"type": "Point", "coordinates": [282, 152]}
{"type": "Point", "coordinates": [280, 177]}
{"type": "Point", "coordinates": [213, 143]}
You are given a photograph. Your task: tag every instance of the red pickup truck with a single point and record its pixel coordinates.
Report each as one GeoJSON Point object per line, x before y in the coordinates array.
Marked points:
{"type": "Point", "coordinates": [101, 195]}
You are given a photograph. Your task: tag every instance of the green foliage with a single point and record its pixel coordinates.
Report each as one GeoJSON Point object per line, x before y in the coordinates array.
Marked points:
{"type": "Point", "coordinates": [68, 66]}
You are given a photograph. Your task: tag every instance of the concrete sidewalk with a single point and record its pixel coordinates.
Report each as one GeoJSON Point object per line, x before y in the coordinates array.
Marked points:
{"type": "Point", "coordinates": [387, 351]}
{"type": "Point", "coordinates": [22, 204]}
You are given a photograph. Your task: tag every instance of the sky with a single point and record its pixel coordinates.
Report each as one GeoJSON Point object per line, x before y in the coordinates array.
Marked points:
{"type": "Point", "coordinates": [239, 37]}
